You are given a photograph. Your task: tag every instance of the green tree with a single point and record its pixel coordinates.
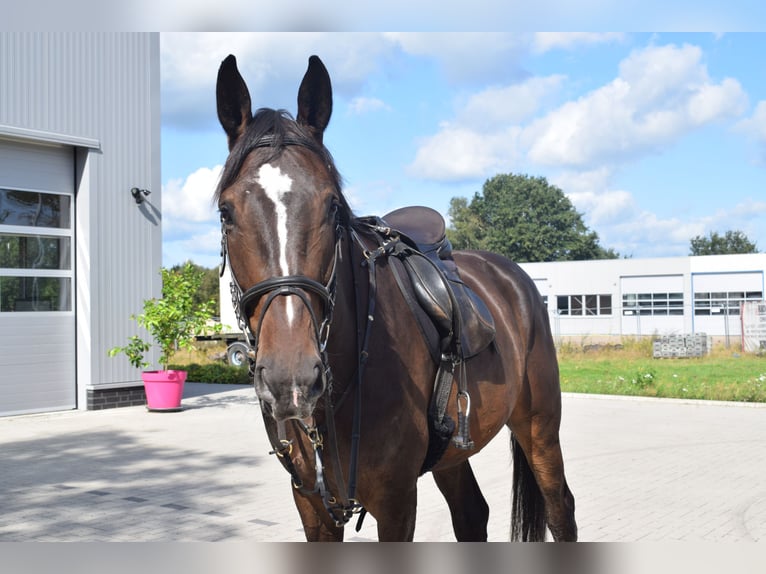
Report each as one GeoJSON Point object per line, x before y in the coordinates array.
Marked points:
{"type": "Point", "coordinates": [208, 286]}
{"type": "Point", "coordinates": [733, 241]}
{"type": "Point", "coordinates": [526, 219]}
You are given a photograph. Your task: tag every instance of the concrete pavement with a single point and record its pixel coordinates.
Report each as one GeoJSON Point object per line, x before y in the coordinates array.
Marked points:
{"type": "Point", "coordinates": [640, 469]}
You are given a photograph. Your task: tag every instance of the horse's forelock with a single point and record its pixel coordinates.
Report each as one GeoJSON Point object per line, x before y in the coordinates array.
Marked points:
{"type": "Point", "coordinates": [280, 126]}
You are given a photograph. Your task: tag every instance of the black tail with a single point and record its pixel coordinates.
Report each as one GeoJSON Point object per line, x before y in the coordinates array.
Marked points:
{"type": "Point", "coordinates": [528, 523]}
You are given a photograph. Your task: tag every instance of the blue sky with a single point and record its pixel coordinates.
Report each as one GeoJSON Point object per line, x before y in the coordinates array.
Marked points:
{"type": "Point", "coordinates": [655, 137]}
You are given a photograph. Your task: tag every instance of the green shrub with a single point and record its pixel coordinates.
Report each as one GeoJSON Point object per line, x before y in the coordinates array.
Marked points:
{"type": "Point", "coordinates": [174, 321]}
{"type": "Point", "coordinates": [644, 377]}
{"type": "Point", "coordinates": [215, 373]}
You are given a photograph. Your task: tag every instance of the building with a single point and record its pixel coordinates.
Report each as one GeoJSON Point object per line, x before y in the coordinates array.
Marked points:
{"type": "Point", "coordinates": [612, 298]}
{"type": "Point", "coordinates": [79, 129]}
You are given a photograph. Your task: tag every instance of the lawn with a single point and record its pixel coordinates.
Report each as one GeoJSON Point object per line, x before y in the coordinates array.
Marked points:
{"type": "Point", "coordinates": [723, 375]}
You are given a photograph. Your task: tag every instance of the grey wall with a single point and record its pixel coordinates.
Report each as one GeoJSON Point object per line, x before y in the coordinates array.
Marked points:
{"type": "Point", "coordinates": [100, 94]}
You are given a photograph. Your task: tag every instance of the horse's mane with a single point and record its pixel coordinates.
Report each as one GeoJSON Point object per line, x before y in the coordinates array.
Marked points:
{"type": "Point", "coordinates": [273, 130]}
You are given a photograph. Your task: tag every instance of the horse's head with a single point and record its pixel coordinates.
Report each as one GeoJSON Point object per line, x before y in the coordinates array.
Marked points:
{"type": "Point", "coordinates": [281, 204]}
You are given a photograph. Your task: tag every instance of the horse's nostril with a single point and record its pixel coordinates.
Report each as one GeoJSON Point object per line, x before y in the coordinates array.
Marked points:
{"type": "Point", "coordinates": [319, 382]}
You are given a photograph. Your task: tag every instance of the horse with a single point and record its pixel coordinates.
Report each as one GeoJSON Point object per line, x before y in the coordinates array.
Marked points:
{"type": "Point", "coordinates": [340, 366]}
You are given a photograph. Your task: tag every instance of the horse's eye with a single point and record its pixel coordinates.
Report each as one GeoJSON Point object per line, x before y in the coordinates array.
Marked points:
{"type": "Point", "coordinates": [225, 213]}
{"type": "Point", "coordinates": [334, 208]}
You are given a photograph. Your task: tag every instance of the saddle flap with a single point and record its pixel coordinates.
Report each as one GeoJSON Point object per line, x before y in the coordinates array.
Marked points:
{"type": "Point", "coordinates": [456, 311]}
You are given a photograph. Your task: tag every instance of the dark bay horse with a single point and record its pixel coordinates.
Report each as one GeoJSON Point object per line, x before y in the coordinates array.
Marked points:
{"type": "Point", "coordinates": [341, 370]}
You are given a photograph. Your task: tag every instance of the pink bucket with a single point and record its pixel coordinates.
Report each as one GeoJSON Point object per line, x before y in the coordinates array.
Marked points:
{"type": "Point", "coordinates": [164, 389]}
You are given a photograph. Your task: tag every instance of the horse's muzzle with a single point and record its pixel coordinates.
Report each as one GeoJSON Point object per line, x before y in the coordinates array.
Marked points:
{"type": "Point", "coordinates": [291, 391]}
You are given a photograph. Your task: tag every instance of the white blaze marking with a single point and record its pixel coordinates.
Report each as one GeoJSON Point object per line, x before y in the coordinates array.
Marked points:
{"type": "Point", "coordinates": [276, 185]}
{"type": "Point", "coordinates": [295, 397]}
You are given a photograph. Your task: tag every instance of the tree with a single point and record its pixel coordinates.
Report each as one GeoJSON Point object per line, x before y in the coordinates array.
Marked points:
{"type": "Point", "coordinates": [524, 218]}
{"type": "Point", "coordinates": [174, 320]}
{"type": "Point", "coordinates": [728, 243]}
{"type": "Point", "coordinates": [208, 287]}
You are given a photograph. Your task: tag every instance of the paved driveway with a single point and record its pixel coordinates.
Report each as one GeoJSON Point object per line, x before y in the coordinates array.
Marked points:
{"type": "Point", "coordinates": [640, 469]}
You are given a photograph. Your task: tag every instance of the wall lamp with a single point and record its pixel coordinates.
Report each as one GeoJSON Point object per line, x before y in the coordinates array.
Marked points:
{"type": "Point", "coordinates": [139, 194]}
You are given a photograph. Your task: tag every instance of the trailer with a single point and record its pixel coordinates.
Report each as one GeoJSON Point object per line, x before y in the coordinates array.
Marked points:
{"type": "Point", "coordinates": [236, 347]}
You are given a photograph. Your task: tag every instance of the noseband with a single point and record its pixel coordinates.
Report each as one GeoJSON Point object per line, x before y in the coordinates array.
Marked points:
{"type": "Point", "coordinates": [244, 302]}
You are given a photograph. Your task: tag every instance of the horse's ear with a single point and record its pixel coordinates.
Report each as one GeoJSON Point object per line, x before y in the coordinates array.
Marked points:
{"type": "Point", "coordinates": [315, 98]}
{"type": "Point", "coordinates": [233, 99]}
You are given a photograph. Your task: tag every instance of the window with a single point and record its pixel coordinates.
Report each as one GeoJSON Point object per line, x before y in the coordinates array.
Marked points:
{"type": "Point", "coordinates": [653, 304]}
{"type": "Point", "coordinates": [720, 302]}
{"type": "Point", "coordinates": [589, 305]}
{"type": "Point", "coordinates": [35, 251]}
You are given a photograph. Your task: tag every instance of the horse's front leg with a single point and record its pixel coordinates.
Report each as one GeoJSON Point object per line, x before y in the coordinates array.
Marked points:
{"type": "Point", "coordinates": [396, 513]}
{"type": "Point", "coordinates": [317, 525]}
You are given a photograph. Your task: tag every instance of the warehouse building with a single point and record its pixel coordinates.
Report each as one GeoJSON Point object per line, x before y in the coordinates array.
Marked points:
{"type": "Point", "coordinates": [79, 132]}
{"type": "Point", "coordinates": [613, 298]}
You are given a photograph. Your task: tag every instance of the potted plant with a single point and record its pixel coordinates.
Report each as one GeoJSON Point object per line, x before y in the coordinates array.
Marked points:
{"type": "Point", "coordinates": [173, 322]}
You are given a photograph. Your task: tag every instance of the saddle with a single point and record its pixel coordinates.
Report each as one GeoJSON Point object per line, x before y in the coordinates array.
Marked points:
{"type": "Point", "coordinates": [463, 321]}
{"type": "Point", "coordinates": [439, 299]}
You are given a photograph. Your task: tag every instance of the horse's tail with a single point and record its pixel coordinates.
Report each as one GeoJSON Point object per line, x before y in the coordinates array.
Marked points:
{"type": "Point", "coordinates": [528, 523]}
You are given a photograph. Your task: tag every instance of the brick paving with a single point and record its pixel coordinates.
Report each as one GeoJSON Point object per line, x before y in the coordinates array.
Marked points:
{"type": "Point", "coordinates": [641, 470]}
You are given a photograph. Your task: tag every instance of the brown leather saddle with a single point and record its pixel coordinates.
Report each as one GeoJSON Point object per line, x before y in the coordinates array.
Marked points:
{"type": "Point", "coordinates": [453, 319]}
{"type": "Point", "coordinates": [463, 321]}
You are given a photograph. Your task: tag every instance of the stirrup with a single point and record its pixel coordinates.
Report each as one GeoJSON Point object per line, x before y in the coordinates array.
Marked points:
{"type": "Point", "coordinates": [462, 438]}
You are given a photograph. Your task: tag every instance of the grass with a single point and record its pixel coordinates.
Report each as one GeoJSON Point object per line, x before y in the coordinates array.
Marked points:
{"type": "Point", "coordinates": [723, 375]}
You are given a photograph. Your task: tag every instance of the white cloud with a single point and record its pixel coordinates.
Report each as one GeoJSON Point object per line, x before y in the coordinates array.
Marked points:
{"type": "Point", "coordinates": [592, 195]}
{"type": "Point", "coordinates": [755, 125]}
{"type": "Point", "coordinates": [546, 41]}
{"type": "Point", "coordinates": [639, 230]}
{"type": "Point", "coordinates": [662, 94]}
{"type": "Point", "coordinates": [583, 181]}
{"type": "Point", "coordinates": [190, 200]}
{"type": "Point", "coordinates": [362, 105]}
{"type": "Point", "coordinates": [483, 138]}
{"type": "Point", "coordinates": [468, 56]}
{"type": "Point", "coordinates": [201, 246]}
{"type": "Point", "coordinates": [508, 104]}
{"type": "Point", "coordinates": [629, 228]}
{"type": "Point", "coordinates": [670, 236]}
{"type": "Point", "coordinates": [190, 226]}
{"type": "Point", "coordinates": [461, 153]}
{"type": "Point", "coordinates": [604, 207]}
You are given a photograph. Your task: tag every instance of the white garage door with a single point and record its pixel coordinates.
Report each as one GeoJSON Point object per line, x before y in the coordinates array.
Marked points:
{"type": "Point", "coordinates": [718, 298]}
{"type": "Point", "coordinates": [37, 315]}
